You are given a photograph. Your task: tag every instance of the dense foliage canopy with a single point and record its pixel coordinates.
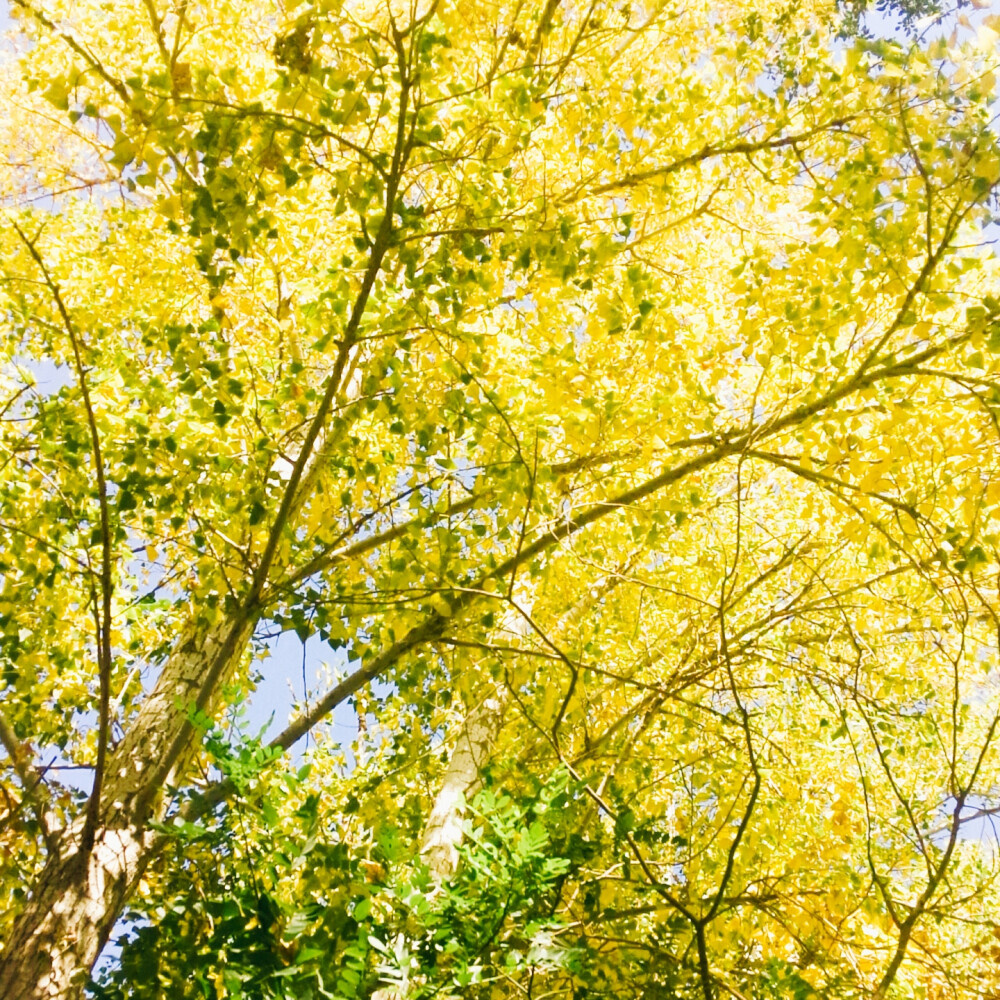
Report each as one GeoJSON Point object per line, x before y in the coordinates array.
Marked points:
{"type": "Point", "coordinates": [612, 388]}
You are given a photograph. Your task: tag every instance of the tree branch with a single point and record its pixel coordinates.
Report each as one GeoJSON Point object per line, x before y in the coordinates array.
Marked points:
{"type": "Point", "coordinates": [31, 779]}
{"type": "Point", "coordinates": [251, 606]}
{"type": "Point", "coordinates": [707, 152]}
{"type": "Point", "coordinates": [102, 612]}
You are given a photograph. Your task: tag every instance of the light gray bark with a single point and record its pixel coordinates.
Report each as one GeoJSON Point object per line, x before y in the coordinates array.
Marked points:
{"type": "Point", "coordinates": [81, 891]}
{"type": "Point", "coordinates": [74, 907]}
{"type": "Point", "coordinates": [443, 833]}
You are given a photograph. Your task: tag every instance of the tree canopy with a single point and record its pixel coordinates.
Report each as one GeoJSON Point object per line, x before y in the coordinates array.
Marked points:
{"type": "Point", "coordinates": [612, 388]}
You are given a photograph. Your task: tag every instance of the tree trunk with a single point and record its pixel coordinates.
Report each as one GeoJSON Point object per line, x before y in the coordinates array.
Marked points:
{"type": "Point", "coordinates": [81, 891]}
{"type": "Point", "coordinates": [74, 906]}
{"type": "Point", "coordinates": [443, 833]}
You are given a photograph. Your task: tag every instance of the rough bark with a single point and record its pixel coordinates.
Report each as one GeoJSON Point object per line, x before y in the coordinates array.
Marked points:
{"type": "Point", "coordinates": [73, 909]}
{"type": "Point", "coordinates": [87, 882]}
{"type": "Point", "coordinates": [165, 713]}
{"type": "Point", "coordinates": [89, 878]}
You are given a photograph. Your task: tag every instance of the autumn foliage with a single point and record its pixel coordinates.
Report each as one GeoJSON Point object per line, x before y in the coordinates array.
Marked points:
{"type": "Point", "coordinates": [612, 388]}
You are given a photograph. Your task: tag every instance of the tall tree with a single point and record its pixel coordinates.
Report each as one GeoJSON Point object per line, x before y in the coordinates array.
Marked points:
{"type": "Point", "coordinates": [628, 369]}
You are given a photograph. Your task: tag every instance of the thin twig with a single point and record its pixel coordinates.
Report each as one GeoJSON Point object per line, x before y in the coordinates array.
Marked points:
{"type": "Point", "coordinates": [102, 612]}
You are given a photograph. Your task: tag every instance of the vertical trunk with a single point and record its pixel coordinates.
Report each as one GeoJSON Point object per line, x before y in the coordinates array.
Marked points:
{"type": "Point", "coordinates": [163, 715]}
{"type": "Point", "coordinates": [443, 833]}
{"type": "Point", "coordinates": [74, 906]}
{"type": "Point", "coordinates": [82, 890]}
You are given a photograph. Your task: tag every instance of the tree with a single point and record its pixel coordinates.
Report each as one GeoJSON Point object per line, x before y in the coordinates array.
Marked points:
{"type": "Point", "coordinates": [628, 370]}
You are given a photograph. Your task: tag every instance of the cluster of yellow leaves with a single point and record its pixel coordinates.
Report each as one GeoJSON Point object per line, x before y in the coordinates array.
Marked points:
{"type": "Point", "coordinates": [715, 337]}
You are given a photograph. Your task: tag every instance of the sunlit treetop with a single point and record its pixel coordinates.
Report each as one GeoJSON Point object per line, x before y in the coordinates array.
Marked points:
{"type": "Point", "coordinates": [615, 385]}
